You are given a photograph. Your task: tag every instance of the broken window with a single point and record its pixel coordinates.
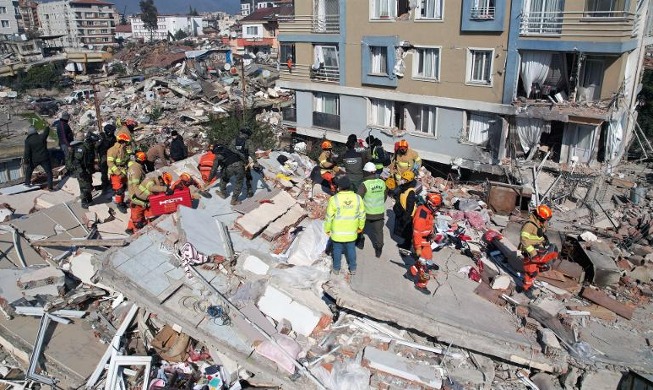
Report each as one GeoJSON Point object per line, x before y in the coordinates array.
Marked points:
{"type": "Point", "coordinates": [429, 9]}
{"type": "Point", "coordinates": [530, 130]}
{"type": "Point", "coordinates": [427, 63]}
{"type": "Point", "coordinates": [542, 17]}
{"type": "Point", "coordinates": [591, 79]}
{"type": "Point", "coordinates": [379, 60]}
{"type": "Point", "coordinates": [479, 66]}
{"type": "Point", "coordinates": [325, 63]}
{"type": "Point", "coordinates": [543, 74]}
{"type": "Point", "coordinates": [605, 8]}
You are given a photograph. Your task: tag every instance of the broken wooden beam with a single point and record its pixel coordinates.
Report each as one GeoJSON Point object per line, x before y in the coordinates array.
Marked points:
{"type": "Point", "coordinates": [602, 299]}
{"type": "Point", "coordinates": [81, 242]}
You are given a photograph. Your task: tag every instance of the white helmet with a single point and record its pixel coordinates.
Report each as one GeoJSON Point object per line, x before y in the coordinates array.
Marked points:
{"type": "Point", "coordinates": [369, 167]}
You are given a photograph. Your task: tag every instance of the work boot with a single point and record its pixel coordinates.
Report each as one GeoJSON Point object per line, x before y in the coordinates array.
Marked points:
{"type": "Point", "coordinates": [85, 205]}
{"type": "Point", "coordinates": [129, 231]}
{"type": "Point", "coordinates": [528, 293]}
{"type": "Point", "coordinates": [378, 251]}
{"type": "Point", "coordinates": [423, 290]}
{"type": "Point", "coordinates": [352, 272]}
{"type": "Point", "coordinates": [335, 272]}
{"type": "Point", "coordinates": [235, 201]}
{"type": "Point", "coordinates": [122, 207]}
{"type": "Point", "coordinates": [250, 193]}
{"type": "Point", "coordinates": [221, 194]}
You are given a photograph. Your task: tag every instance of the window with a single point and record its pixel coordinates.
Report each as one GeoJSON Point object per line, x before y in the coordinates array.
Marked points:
{"type": "Point", "coordinates": [426, 64]}
{"type": "Point", "coordinates": [591, 80]}
{"type": "Point", "coordinates": [429, 9]}
{"type": "Point", "coordinates": [483, 9]}
{"type": "Point", "coordinates": [384, 9]}
{"type": "Point", "coordinates": [542, 17]}
{"type": "Point", "coordinates": [3, 10]}
{"type": "Point", "coordinates": [327, 103]}
{"type": "Point", "coordinates": [5, 23]}
{"type": "Point", "coordinates": [605, 8]}
{"type": "Point", "coordinates": [381, 113]}
{"type": "Point", "coordinates": [379, 60]}
{"type": "Point", "coordinates": [479, 66]}
{"type": "Point", "coordinates": [244, 9]}
{"type": "Point", "coordinates": [286, 51]}
{"type": "Point", "coordinates": [421, 119]}
{"type": "Point", "coordinates": [252, 30]}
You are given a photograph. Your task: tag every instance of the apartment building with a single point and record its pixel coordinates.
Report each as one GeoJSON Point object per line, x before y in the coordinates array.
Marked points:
{"type": "Point", "coordinates": [167, 26]}
{"type": "Point", "coordinates": [470, 82]}
{"type": "Point", "coordinates": [82, 23]}
{"type": "Point", "coordinates": [29, 19]}
{"type": "Point", "coordinates": [9, 17]}
{"type": "Point", "coordinates": [259, 31]}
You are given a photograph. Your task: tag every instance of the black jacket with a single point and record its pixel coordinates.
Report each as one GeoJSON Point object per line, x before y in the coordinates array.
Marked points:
{"type": "Point", "coordinates": [64, 132]}
{"type": "Point", "coordinates": [36, 148]}
{"type": "Point", "coordinates": [178, 149]}
{"type": "Point", "coordinates": [353, 162]}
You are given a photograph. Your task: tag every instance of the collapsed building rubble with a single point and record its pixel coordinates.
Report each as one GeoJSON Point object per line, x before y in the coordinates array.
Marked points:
{"type": "Point", "coordinates": [227, 296]}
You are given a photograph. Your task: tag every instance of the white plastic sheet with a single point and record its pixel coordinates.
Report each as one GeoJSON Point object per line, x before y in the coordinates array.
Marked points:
{"type": "Point", "coordinates": [308, 245]}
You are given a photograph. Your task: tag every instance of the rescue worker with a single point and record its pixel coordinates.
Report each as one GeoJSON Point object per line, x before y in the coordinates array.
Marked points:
{"type": "Point", "coordinates": [178, 149]}
{"type": "Point", "coordinates": [242, 145]}
{"type": "Point", "coordinates": [344, 221]}
{"type": "Point", "coordinates": [378, 155]}
{"type": "Point", "coordinates": [353, 162]}
{"type": "Point", "coordinates": [328, 167]}
{"type": "Point", "coordinates": [186, 181]}
{"type": "Point", "coordinates": [374, 193]}
{"type": "Point", "coordinates": [118, 157]}
{"type": "Point", "coordinates": [533, 243]}
{"type": "Point", "coordinates": [157, 154]}
{"type": "Point", "coordinates": [404, 209]}
{"type": "Point", "coordinates": [422, 236]}
{"type": "Point", "coordinates": [107, 139]}
{"type": "Point", "coordinates": [140, 193]}
{"type": "Point", "coordinates": [404, 159]}
{"type": "Point", "coordinates": [205, 164]}
{"type": "Point", "coordinates": [36, 153]}
{"type": "Point", "coordinates": [230, 165]}
{"type": "Point", "coordinates": [64, 133]}
{"type": "Point", "coordinates": [81, 165]}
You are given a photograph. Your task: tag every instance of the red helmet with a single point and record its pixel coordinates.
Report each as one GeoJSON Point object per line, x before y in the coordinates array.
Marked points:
{"type": "Point", "coordinates": [434, 199]}
{"type": "Point", "coordinates": [544, 212]}
{"type": "Point", "coordinates": [326, 145]}
{"type": "Point", "coordinates": [140, 156]}
{"type": "Point", "coordinates": [185, 177]}
{"type": "Point", "coordinates": [123, 137]}
{"type": "Point", "coordinates": [167, 178]}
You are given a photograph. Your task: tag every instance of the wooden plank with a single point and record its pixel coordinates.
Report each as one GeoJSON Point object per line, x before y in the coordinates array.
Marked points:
{"type": "Point", "coordinates": [600, 298]}
{"type": "Point", "coordinates": [95, 242]}
{"type": "Point", "coordinates": [567, 284]}
{"type": "Point", "coordinates": [596, 311]}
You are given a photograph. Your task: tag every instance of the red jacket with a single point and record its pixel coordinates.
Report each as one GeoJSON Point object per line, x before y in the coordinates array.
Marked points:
{"type": "Point", "coordinates": [422, 225]}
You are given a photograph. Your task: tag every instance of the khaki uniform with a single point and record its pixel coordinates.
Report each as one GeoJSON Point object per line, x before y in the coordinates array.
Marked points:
{"type": "Point", "coordinates": [402, 163]}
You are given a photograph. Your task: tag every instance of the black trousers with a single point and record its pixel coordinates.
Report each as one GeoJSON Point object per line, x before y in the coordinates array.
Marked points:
{"type": "Point", "coordinates": [374, 230]}
{"type": "Point", "coordinates": [47, 167]}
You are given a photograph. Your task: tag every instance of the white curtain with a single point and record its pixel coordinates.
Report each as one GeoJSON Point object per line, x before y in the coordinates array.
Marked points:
{"type": "Point", "coordinates": [320, 12]}
{"type": "Point", "coordinates": [615, 139]}
{"type": "Point", "coordinates": [381, 112]}
{"type": "Point", "coordinates": [478, 128]}
{"type": "Point", "coordinates": [318, 57]}
{"type": "Point", "coordinates": [430, 9]}
{"type": "Point", "coordinates": [534, 68]}
{"type": "Point", "coordinates": [530, 130]}
{"type": "Point", "coordinates": [378, 59]}
{"type": "Point", "coordinates": [385, 8]}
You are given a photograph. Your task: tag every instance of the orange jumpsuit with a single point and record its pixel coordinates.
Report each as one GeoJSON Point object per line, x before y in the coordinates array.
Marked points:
{"type": "Point", "coordinates": [532, 239]}
{"type": "Point", "coordinates": [139, 205]}
{"type": "Point", "coordinates": [328, 168]}
{"type": "Point", "coordinates": [422, 231]}
{"type": "Point", "coordinates": [117, 159]}
{"type": "Point", "coordinates": [205, 165]}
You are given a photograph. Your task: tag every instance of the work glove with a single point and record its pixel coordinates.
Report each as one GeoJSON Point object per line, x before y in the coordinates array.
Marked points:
{"type": "Point", "coordinates": [545, 267]}
{"type": "Point", "coordinates": [418, 251]}
{"type": "Point", "coordinates": [169, 191]}
{"type": "Point", "coordinates": [359, 231]}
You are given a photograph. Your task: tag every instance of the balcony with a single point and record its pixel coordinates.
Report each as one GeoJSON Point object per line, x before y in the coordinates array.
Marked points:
{"type": "Point", "coordinates": [579, 24]}
{"type": "Point", "coordinates": [301, 72]}
{"type": "Point", "coordinates": [327, 121]}
{"type": "Point", "coordinates": [482, 13]}
{"type": "Point", "coordinates": [289, 114]}
{"type": "Point", "coordinates": [309, 24]}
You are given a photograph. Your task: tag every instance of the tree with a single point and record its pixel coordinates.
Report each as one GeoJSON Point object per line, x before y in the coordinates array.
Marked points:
{"type": "Point", "coordinates": [149, 16]}
{"type": "Point", "coordinates": [224, 129]}
{"type": "Point", "coordinates": [180, 34]}
{"type": "Point", "coordinates": [192, 11]}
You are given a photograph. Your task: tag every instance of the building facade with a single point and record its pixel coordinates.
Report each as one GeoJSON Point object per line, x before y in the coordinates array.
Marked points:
{"type": "Point", "coordinates": [167, 26]}
{"type": "Point", "coordinates": [469, 84]}
{"type": "Point", "coordinates": [29, 19]}
{"type": "Point", "coordinates": [9, 18]}
{"type": "Point", "coordinates": [249, 6]}
{"type": "Point", "coordinates": [259, 30]}
{"type": "Point", "coordinates": [82, 23]}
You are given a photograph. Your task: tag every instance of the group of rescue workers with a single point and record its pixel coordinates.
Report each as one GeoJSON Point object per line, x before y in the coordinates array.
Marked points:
{"type": "Point", "coordinates": [357, 206]}
{"type": "Point", "coordinates": [359, 191]}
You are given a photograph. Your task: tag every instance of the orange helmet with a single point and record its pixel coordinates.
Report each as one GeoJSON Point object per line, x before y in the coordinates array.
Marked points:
{"type": "Point", "coordinates": [402, 144]}
{"type": "Point", "coordinates": [140, 156]}
{"type": "Point", "coordinates": [167, 178]}
{"type": "Point", "coordinates": [434, 199]}
{"type": "Point", "coordinates": [326, 145]}
{"type": "Point", "coordinates": [123, 137]}
{"type": "Point", "coordinates": [544, 212]}
{"type": "Point", "coordinates": [185, 177]}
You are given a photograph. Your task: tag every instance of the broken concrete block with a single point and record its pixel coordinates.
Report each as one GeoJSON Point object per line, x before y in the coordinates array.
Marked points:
{"type": "Point", "coordinates": [202, 231]}
{"type": "Point", "coordinates": [501, 282]}
{"type": "Point", "coordinates": [549, 305]}
{"type": "Point", "coordinates": [601, 298]}
{"type": "Point", "coordinates": [102, 211]}
{"type": "Point", "coordinates": [601, 380]}
{"type": "Point", "coordinates": [255, 265]}
{"type": "Point", "coordinates": [545, 381]}
{"type": "Point", "coordinates": [49, 199]}
{"type": "Point", "coordinates": [42, 276]}
{"type": "Point", "coordinates": [606, 272]}
{"type": "Point", "coordinates": [641, 274]}
{"type": "Point", "coordinates": [6, 212]}
{"type": "Point", "coordinates": [287, 221]}
{"type": "Point", "coordinates": [549, 341]}
{"type": "Point", "coordinates": [278, 305]}
{"type": "Point", "coordinates": [401, 367]}
{"type": "Point", "coordinates": [252, 223]}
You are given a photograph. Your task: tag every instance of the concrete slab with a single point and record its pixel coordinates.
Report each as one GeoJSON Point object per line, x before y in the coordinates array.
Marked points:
{"type": "Point", "coordinates": [23, 203]}
{"type": "Point", "coordinates": [252, 223]}
{"type": "Point", "coordinates": [287, 221]}
{"type": "Point", "coordinates": [18, 189]}
{"type": "Point", "coordinates": [202, 231]}
{"type": "Point", "coordinates": [279, 305]}
{"type": "Point", "coordinates": [49, 199]}
{"type": "Point", "coordinates": [601, 380]}
{"type": "Point", "coordinates": [401, 367]}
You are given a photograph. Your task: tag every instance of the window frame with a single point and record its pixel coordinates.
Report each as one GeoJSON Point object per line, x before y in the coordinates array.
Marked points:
{"type": "Point", "coordinates": [3, 10]}
{"type": "Point", "coordinates": [469, 71]}
{"type": "Point", "coordinates": [434, 110]}
{"type": "Point", "coordinates": [383, 62]}
{"type": "Point", "coordinates": [5, 23]}
{"type": "Point", "coordinates": [418, 11]}
{"type": "Point", "coordinates": [372, 119]}
{"type": "Point", "coordinates": [613, 12]}
{"type": "Point", "coordinates": [417, 58]}
{"type": "Point", "coordinates": [392, 10]}
{"type": "Point", "coordinates": [321, 95]}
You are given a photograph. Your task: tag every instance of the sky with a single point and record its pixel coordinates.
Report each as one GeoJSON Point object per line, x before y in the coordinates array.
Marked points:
{"type": "Point", "coordinates": [180, 6]}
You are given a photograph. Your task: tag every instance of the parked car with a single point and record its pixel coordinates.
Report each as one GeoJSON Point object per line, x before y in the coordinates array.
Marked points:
{"type": "Point", "coordinates": [79, 95]}
{"type": "Point", "coordinates": [44, 106]}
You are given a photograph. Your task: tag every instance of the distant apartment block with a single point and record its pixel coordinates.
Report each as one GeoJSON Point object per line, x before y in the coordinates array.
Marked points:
{"type": "Point", "coordinates": [167, 26]}
{"type": "Point", "coordinates": [81, 23]}
{"type": "Point", "coordinates": [29, 19]}
{"type": "Point", "coordinates": [9, 17]}
{"type": "Point", "coordinates": [249, 6]}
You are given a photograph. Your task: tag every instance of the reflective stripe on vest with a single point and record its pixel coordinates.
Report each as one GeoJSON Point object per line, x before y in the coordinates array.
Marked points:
{"type": "Point", "coordinates": [345, 222]}
{"type": "Point", "coordinates": [375, 156]}
{"type": "Point", "coordinates": [403, 199]}
{"type": "Point", "coordinates": [145, 189]}
{"type": "Point", "coordinates": [374, 199]}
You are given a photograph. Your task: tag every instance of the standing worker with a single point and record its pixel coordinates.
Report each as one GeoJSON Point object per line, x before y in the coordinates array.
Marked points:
{"type": "Point", "coordinates": [378, 155]}
{"type": "Point", "coordinates": [81, 164]}
{"type": "Point", "coordinates": [422, 236]}
{"type": "Point", "coordinates": [157, 154]}
{"type": "Point", "coordinates": [107, 139]}
{"type": "Point", "coordinates": [242, 145]}
{"type": "Point", "coordinates": [117, 159]}
{"type": "Point", "coordinates": [374, 193]}
{"type": "Point", "coordinates": [64, 133]}
{"type": "Point", "coordinates": [533, 245]}
{"type": "Point", "coordinates": [353, 162]}
{"type": "Point", "coordinates": [178, 149]}
{"type": "Point", "coordinates": [36, 153]}
{"type": "Point", "coordinates": [328, 167]}
{"type": "Point", "coordinates": [404, 209]}
{"type": "Point", "coordinates": [345, 220]}
{"type": "Point", "coordinates": [404, 159]}
{"type": "Point", "coordinates": [140, 195]}
{"type": "Point", "coordinates": [230, 165]}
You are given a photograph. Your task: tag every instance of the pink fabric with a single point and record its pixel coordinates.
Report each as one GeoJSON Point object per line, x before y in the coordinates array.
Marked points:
{"type": "Point", "coordinates": [475, 219]}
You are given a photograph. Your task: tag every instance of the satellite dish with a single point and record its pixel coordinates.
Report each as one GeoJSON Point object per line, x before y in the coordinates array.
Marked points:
{"type": "Point", "coordinates": [227, 66]}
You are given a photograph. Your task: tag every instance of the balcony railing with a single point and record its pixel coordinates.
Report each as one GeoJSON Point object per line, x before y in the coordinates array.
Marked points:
{"type": "Point", "coordinates": [326, 73]}
{"type": "Point", "coordinates": [301, 72]}
{"type": "Point", "coordinates": [482, 13]}
{"type": "Point", "coordinates": [328, 121]}
{"type": "Point", "coordinates": [289, 114]}
{"type": "Point", "coordinates": [298, 24]}
{"type": "Point", "coordinates": [578, 24]}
